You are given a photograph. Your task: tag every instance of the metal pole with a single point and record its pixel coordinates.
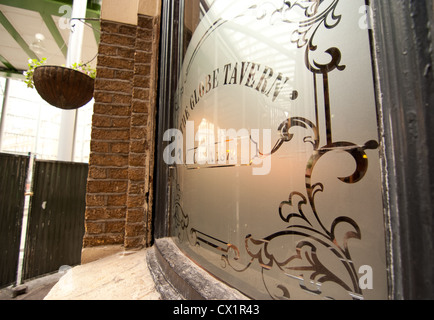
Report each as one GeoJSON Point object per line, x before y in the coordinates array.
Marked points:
{"type": "Point", "coordinates": [4, 108]}
{"type": "Point", "coordinates": [26, 211]}
{"type": "Point", "coordinates": [77, 30]}
{"type": "Point", "coordinates": [68, 122]}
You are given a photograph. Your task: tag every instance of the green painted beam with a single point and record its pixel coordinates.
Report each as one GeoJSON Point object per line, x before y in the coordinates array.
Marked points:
{"type": "Point", "coordinates": [50, 7]}
{"type": "Point", "coordinates": [17, 37]}
{"type": "Point", "coordinates": [7, 64]}
{"type": "Point", "coordinates": [12, 74]}
{"type": "Point", "coordinates": [96, 27]}
{"type": "Point", "coordinates": [51, 25]}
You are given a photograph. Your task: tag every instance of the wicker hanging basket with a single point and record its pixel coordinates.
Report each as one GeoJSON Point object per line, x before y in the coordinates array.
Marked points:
{"type": "Point", "coordinates": [62, 87]}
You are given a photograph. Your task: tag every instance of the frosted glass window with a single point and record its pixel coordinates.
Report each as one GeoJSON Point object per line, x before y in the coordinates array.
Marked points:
{"type": "Point", "coordinates": [276, 151]}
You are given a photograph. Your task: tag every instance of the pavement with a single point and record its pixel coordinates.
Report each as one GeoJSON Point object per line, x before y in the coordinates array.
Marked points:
{"type": "Point", "coordinates": [35, 289]}
{"type": "Point", "coordinates": [119, 276]}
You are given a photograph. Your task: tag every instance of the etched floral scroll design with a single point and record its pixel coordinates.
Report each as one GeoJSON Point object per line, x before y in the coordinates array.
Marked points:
{"type": "Point", "coordinates": [306, 231]}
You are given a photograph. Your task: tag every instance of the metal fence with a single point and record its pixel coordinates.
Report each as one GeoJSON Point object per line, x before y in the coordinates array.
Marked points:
{"type": "Point", "coordinates": [13, 174]}
{"type": "Point", "coordinates": [54, 225]}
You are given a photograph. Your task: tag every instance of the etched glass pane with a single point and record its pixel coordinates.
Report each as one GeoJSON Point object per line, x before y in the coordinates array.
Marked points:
{"type": "Point", "coordinates": [275, 154]}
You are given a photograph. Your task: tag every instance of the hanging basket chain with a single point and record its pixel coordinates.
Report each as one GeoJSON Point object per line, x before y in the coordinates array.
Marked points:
{"type": "Point", "coordinates": [82, 20]}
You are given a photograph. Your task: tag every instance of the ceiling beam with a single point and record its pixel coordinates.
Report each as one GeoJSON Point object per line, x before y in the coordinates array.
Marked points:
{"type": "Point", "coordinates": [11, 74]}
{"type": "Point", "coordinates": [50, 7]}
{"type": "Point", "coordinates": [51, 25]}
{"type": "Point", "coordinates": [96, 26]}
{"type": "Point", "coordinates": [7, 64]}
{"type": "Point", "coordinates": [10, 71]}
{"type": "Point", "coordinates": [17, 37]}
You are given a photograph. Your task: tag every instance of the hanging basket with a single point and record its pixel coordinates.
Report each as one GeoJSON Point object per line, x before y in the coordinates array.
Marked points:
{"type": "Point", "coordinates": [62, 87]}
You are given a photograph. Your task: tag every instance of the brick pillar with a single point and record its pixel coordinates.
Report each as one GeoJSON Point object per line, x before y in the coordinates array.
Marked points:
{"type": "Point", "coordinates": [108, 162]}
{"type": "Point", "coordinates": [119, 189]}
{"type": "Point", "coordinates": [139, 201]}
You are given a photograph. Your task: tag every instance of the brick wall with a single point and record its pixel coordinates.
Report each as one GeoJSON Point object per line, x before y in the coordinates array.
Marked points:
{"type": "Point", "coordinates": [119, 189]}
